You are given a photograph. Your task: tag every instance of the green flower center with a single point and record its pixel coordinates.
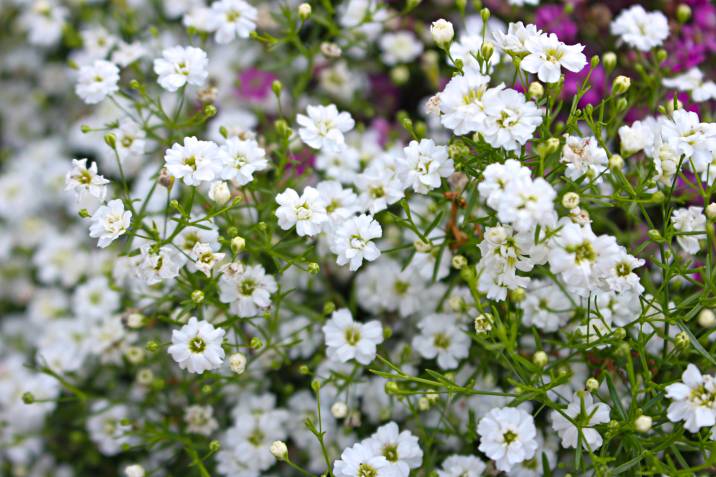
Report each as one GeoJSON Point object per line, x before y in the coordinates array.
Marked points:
{"type": "Point", "coordinates": [352, 335]}
{"type": "Point", "coordinates": [197, 345]}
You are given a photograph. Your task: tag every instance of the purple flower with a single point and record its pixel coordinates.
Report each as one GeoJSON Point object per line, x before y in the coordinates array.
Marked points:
{"type": "Point", "coordinates": [553, 19]}
{"type": "Point", "coordinates": [255, 85]}
{"type": "Point", "coordinates": [572, 82]}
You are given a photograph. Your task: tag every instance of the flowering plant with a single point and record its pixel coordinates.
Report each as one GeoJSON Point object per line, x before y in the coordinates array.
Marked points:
{"type": "Point", "coordinates": [357, 239]}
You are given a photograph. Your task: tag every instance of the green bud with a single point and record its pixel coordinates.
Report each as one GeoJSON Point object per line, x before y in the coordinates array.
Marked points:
{"type": "Point", "coordinates": [458, 262]}
{"type": "Point", "coordinates": [683, 13]}
{"type": "Point", "coordinates": [206, 389]}
{"type": "Point", "coordinates": [238, 244]}
{"type": "Point", "coordinates": [622, 104]}
{"type": "Point", "coordinates": [540, 359]}
{"type": "Point", "coordinates": [110, 140]}
{"type": "Point", "coordinates": [214, 446]}
{"type": "Point", "coordinates": [594, 62]}
{"type": "Point", "coordinates": [591, 385]}
{"type": "Point", "coordinates": [304, 370]}
{"type": "Point", "coordinates": [485, 14]}
{"type": "Point", "coordinates": [304, 11]}
{"type": "Point", "coordinates": [609, 60]}
{"type": "Point", "coordinates": [661, 56]}
{"type": "Point", "coordinates": [28, 397]}
{"type": "Point", "coordinates": [84, 213]}
{"type": "Point", "coordinates": [658, 197]}
{"type": "Point", "coordinates": [152, 346]}
{"type": "Point", "coordinates": [620, 85]}
{"type": "Point", "coordinates": [313, 268]}
{"type": "Point", "coordinates": [197, 296]}
{"type": "Point", "coordinates": [387, 332]}
{"type": "Point", "coordinates": [391, 387]}
{"type": "Point", "coordinates": [282, 128]}
{"type": "Point", "coordinates": [316, 385]}
{"type": "Point", "coordinates": [329, 307]}
{"type": "Point", "coordinates": [256, 343]}
{"type": "Point", "coordinates": [85, 129]}
{"type": "Point", "coordinates": [209, 110]}
{"type": "Point", "coordinates": [655, 235]}
{"type": "Point", "coordinates": [276, 87]}
{"type": "Point", "coordinates": [134, 84]}
{"type": "Point", "coordinates": [682, 340]}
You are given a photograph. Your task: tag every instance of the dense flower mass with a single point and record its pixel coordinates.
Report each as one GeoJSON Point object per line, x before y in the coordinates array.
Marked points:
{"type": "Point", "coordinates": [357, 238]}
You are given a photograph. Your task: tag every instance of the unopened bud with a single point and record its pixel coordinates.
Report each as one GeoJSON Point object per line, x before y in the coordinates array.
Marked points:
{"type": "Point", "coordinates": [570, 200]}
{"type": "Point", "coordinates": [28, 397]}
{"type": "Point", "coordinates": [279, 450]}
{"type": "Point", "coordinates": [621, 85]}
{"type": "Point", "coordinates": [256, 343]}
{"type": "Point", "coordinates": [219, 192]}
{"type": "Point", "coordinates": [339, 410]}
{"type": "Point", "coordinates": [111, 140]}
{"type": "Point", "coordinates": [304, 11]}
{"type": "Point", "coordinates": [458, 262]}
{"type": "Point", "coordinates": [682, 340]}
{"type": "Point", "coordinates": [237, 363]}
{"type": "Point", "coordinates": [483, 323]}
{"type": "Point", "coordinates": [616, 162]}
{"type": "Point", "coordinates": [609, 60]}
{"type": "Point", "coordinates": [135, 470]}
{"type": "Point", "coordinates": [197, 296]}
{"type": "Point", "coordinates": [711, 211]}
{"type": "Point", "coordinates": [135, 320]}
{"type": "Point", "coordinates": [540, 359]}
{"type": "Point", "coordinates": [591, 385]}
{"type": "Point", "coordinates": [238, 243]}
{"type": "Point", "coordinates": [442, 31]}
{"type": "Point", "coordinates": [707, 319]}
{"type": "Point", "coordinates": [683, 13]}
{"type": "Point", "coordinates": [276, 87]}
{"type": "Point", "coordinates": [643, 423]}
{"type": "Point", "coordinates": [535, 90]}
{"type": "Point", "coordinates": [400, 74]}
{"type": "Point", "coordinates": [486, 50]}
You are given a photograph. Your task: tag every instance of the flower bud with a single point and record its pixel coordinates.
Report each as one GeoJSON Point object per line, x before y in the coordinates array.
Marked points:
{"type": "Point", "coordinates": [707, 319]}
{"type": "Point", "coordinates": [570, 200]}
{"type": "Point", "coordinates": [84, 213]}
{"type": "Point", "coordinates": [279, 450]}
{"type": "Point", "coordinates": [313, 268]}
{"type": "Point", "coordinates": [210, 110]}
{"type": "Point", "coordinates": [145, 376]}
{"type": "Point", "coordinates": [85, 129]}
{"type": "Point", "coordinates": [256, 343]}
{"type": "Point", "coordinates": [535, 90]}
{"type": "Point", "coordinates": [111, 140]}
{"type": "Point", "coordinates": [166, 179]}
{"type": "Point", "coordinates": [609, 60]}
{"type": "Point", "coordinates": [339, 410]}
{"type": "Point", "coordinates": [28, 397]}
{"type": "Point", "coordinates": [682, 340]}
{"type": "Point", "coordinates": [483, 323]}
{"type": "Point", "coordinates": [442, 31]}
{"type": "Point", "coordinates": [238, 244]}
{"type": "Point", "coordinates": [711, 211]}
{"type": "Point", "coordinates": [237, 363]}
{"type": "Point", "coordinates": [304, 11]}
{"type": "Point", "coordinates": [486, 50]}
{"type": "Point", "coordinates": [134, 354]}
{"type": "Point", "coordinates": [458, 262]}
{"type": "Point", "coordinates": [621, 85]}
{"type": "Point", "coordinates": [214, 446]}
{"type": "Point", "coordinates": [540, 359]}
{"type": "Point", "coordinates": [135, 320]}
{"type": "Point", "coordinates": [276, 87]}
{"type": "Point", "coordinates": [643, 423]}
{"type": "Point", "coordinates": [683, 13]}
{"type": "Point", "coordinates": [485, 14]}
{"type": "Point", "coordinates": [422, 247]}
{"type": "Point", "coordinates": [400, 74]}
{"type": "Point", "coordinates": [423, 404]}
{"type": "Point", "coordinates": [134, 470]}
{"type": "Point", "coordinates": [197, 296]}
{"type": "Point", "coordinates": [219, 192]}
{"type": "Point", "coordinates": [616, 162]}
{"type": "Point", "coordinates": [331, 50]}
{"type": "Point", "coordinates": [517, 295]}
{"type": "Point", "coordinates": [152, 346]}
{"type": "Point", "coordinates": [591, 385]}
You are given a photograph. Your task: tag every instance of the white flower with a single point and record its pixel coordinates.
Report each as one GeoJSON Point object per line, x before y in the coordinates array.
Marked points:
{"type": "Point", "coordinates": [593, 414]}
{"type": "Point", "coordinates": [128, 53]}
{"type": "Point", "coordinates": [155, 265]}
{"type": "Point", "coordinates": [441, 337]}
{"type": "Point", "coordinates": [307, 211]}
{"type": "Point", "coordinates": [324, 126]}
{"type": "Point", "coordinates": [400, 47]}
{"type": "Point", "coordinates": [341, 204]}
{"type": "Point", "coordinates": [641, 29]}
{"type": "Point", "coordinates": [134, 470]}
{"type": "Point", "coordinates": [347, 339]}
{"type": "Point", "coordinates": [196, 347]}
{"type": "Point", "coordinates": [442, 31]}
{"type": "Point", "coordinates": [424, 164]}
{"type": "Point", "coordinates": [584, 156]}
{"type": "Point", "coordinates": [463, 102]}
{"type": "Point", "coordinates": [508, 436]}
{"type": "Point", "coordinates": [194, 162]}
{"type": "Point", "coordinates": [179, 66]}
{"type": "Point", "coordinates": [379, 188]}
{"type": "Point", "coordinates": [83, 180]}
{"type": "Point", "coordinates": [546, 306]}
{"type": "Point", "coordinates": [247, 288]}
{"type": "Point", "coordinates": [241, 159]}
{"type": "Point", "coordinates": [527, 203]}
{"type": "Point", "coordinates": [690, 219]}
{"type": "Point", "coordinates": [43, 20]}
{"type": "Point", "coordinates": [97, 81]}
{"type": "Point", "coordinates": [200, 420]}
{"type": "Point", "coordinates": [106, 429]}
{"type": "Point", "coordinates": [204, 257]}
{"type": "Point", "coordinates": [687, 136]}
{"type": "Point", "coordinates": [360, 461]}
{"type": "Point", "coordinates": [515, 40]}
{"type": "Point", "coordinates": [547, 54]}
{"type": "Point", "coordinates": [693, 81]}
{"type": "Point", "coordinates": [400, 449]}
{"type": "Point", "coordinates": [462, 466]}
{"type": "Point", "coordinates": [638, 136]}
{"type": "Point", "coordinates": [219, 192]}
{"type": "Point", "coordinates": [497, 179]}
{"type": "Point", "coordinates": [231, 19]}
{"type": "Point", "coordinates": [694, 400]}
{"type": "Point", "coordinates": [510, 120]}
{"type": "Point", "coordinates": [352, 241]}
{"type": "Point", "coordinates": [109, 222]}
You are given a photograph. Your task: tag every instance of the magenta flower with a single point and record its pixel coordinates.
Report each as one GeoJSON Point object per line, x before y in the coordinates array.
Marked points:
{"type": "Point", "coordinates": [553, 19]}
{"type": "Point", "coordinates": [255, 85]}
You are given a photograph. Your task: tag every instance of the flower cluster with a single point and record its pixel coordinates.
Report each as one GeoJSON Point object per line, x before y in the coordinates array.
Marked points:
{"type": "Point", "coordinates": [357, 238]}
